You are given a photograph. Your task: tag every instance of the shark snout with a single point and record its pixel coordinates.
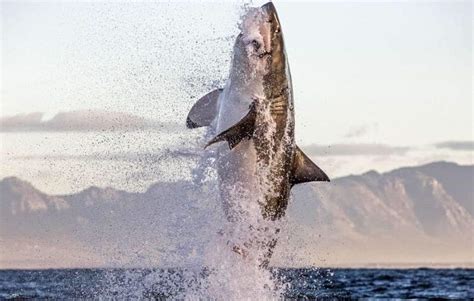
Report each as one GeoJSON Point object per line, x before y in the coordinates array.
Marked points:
{"type": "Point", "coordinates": [272, 37]}
{"type": "Point", "coordinates": [271, 15]}
{"type": "Point", "coordinates": [269, 7]}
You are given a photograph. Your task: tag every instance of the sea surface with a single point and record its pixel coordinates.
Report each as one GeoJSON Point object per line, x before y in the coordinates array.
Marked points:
{"type": "Point", "coordinates": [158, 284]}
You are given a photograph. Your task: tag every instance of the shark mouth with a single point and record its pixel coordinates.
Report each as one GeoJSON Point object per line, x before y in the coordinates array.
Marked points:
{"type": "Point", "coordinates": [264, 54]}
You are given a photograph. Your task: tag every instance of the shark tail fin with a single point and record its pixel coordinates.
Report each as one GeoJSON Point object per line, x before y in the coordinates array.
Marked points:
{"type": "Point", "coordinates": [204, 110]}
{"type": "Point", "coordinates": [243, 129]}
{"type": "Point", "coordinates": [304, 170]}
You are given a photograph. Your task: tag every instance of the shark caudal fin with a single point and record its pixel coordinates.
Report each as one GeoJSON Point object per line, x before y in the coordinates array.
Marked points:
{"type": "Point", "coordinates": [204, 110]}
{"type": "Point", "coordinates": [243, 129]}
{"type": "Point", "coordinates": [304, 170]}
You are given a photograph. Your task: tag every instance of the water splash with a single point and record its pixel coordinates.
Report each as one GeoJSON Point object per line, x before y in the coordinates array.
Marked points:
{"type": "Point", "coordinates": [211, 256]}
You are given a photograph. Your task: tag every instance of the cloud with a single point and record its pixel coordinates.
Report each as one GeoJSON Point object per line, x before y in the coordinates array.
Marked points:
{"type": "Point", "coordinates": [354, 150]}
{"type": "Point", "coordinates": [82, 121]}
{"type": "Point", "coordinates": [357, 132]}
{"type": "Point", "coordinates": [361, 130]}
{"type": "Point", "coordinates": [167, 154]}
{"type": "Point", "coordinates": [456, 145]}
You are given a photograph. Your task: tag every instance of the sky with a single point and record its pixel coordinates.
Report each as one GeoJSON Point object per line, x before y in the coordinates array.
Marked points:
{"type": "Point", "coordinates": [377, 84]}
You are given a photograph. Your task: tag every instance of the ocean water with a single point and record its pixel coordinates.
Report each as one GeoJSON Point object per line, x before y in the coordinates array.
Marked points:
{"type": "Point", "coordinates": [159, 284]}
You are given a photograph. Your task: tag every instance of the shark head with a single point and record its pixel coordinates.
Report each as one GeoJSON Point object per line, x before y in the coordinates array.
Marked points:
{"type": "Point", "coordinates": [259, 47]}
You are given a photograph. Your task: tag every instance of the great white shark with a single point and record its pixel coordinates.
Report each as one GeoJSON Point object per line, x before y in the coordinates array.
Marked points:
{"type": "Point", "coordinates": [254, 115]}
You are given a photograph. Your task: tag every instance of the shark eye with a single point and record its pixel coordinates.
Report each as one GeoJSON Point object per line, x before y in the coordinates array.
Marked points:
{"type": "Point", "coordinates": [256, 44]}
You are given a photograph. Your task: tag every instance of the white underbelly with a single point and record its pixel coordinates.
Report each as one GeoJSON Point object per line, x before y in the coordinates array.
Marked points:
{"type": "Point", "coordinates": [237, 167]}
{"type": "Point", "coordinates": [234, 104]}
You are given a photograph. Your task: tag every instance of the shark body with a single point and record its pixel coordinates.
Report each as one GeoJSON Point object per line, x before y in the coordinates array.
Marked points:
{"type": "Point", "coordinates": [254, 115]}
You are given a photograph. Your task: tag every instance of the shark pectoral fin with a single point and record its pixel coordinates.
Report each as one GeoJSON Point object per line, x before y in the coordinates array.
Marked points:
{"type": "Point", "coordinates": [243, 129]}
{"type": "Point", "coordinates": [204, 110]}
{"type": "Point", "coordinates": [304, 170]}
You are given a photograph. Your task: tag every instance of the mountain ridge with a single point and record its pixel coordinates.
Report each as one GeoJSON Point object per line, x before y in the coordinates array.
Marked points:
{"type": "Point", "coordinates": [369, 172]}
{"type": "Point", "coordinates": [384, 217]}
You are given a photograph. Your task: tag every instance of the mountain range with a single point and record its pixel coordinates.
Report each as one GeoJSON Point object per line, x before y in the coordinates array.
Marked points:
{"type": "Point", "coordinates": [420, 215]}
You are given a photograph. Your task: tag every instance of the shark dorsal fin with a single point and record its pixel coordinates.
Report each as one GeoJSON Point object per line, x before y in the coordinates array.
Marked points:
{"type": "Point", "coordinates": [304, 170]}
{"type": "Point", "coordinates": [204, 110]}
{"type": "Point", "coordinates": [242, 129]}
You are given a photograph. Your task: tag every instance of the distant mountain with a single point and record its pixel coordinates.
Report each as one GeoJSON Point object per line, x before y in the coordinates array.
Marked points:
{"type": "Point", "coordinates": [417, 200]}
{"type": "Point", "coordinates": [413, 214]}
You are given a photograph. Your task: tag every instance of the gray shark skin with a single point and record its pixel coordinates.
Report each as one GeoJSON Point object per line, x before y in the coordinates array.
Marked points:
{"type": "Point", "coordinates": [254, 114]}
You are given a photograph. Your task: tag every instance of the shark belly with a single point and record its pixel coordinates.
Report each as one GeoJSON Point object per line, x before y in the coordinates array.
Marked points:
{"type": "Point", "coordinates": [238, 185]}
{"type": "Point", "coordinates": [236, 167]}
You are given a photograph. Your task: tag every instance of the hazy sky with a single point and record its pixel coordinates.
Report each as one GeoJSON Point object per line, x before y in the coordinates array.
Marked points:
{"type": "Point", "coordinates": [385, 80]}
